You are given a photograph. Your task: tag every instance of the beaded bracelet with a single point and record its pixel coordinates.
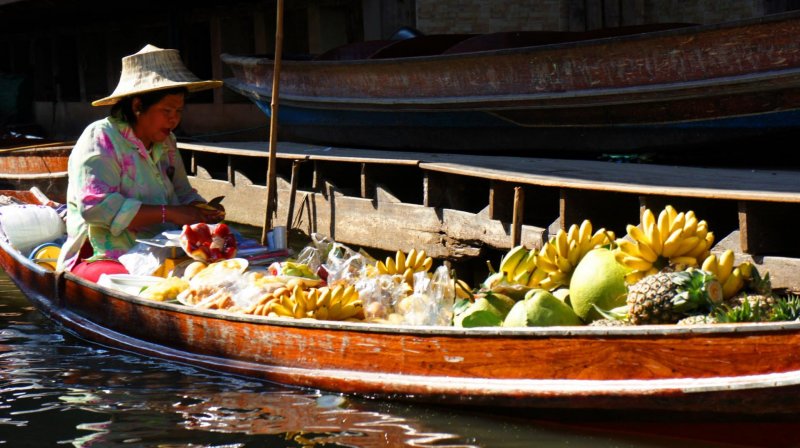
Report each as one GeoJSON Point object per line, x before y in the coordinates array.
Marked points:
{"type": "Point", "coordinates": [163, 214]}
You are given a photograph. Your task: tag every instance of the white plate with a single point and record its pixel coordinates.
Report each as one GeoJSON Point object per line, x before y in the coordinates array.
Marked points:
{"type": "Point", "coordinates": [132, 284]}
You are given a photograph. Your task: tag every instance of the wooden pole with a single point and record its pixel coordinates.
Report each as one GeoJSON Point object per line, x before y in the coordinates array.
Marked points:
{"type": "Point", "coordinates": [273, 125]}
{"type": "Point", "coordinates": [516, 225]}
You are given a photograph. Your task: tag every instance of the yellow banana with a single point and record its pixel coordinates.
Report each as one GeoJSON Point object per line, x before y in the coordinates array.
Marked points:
{"type": "Point", "coordinates": [391, 267]}
{"type": "Point", "coordinates": [585, 231]}
{"type": "Point", "coordinates": [562, 245]}
{"type": "Point", "coordinates": [537, 277]}
{"type": "Point", "coordinates": [677, 222]}
{"type": "Point", "coordinates": [725, 265]}
{"type": "Point", "coordinates": [663, 224]}
{"type": "Point", "coordinates": [572, 233]}
{"type": "Point", "coordinates": [690, 225]}
{"type": "Point", "coordinates": [646, 252]}
{"type": "Point", "coordinates": [648, 219]}
{"type": "Point", "coordinates": [746, 269]}
{"type": "Point", "coordinates": [672, 242]}
{"type": "Point", "coordinates": [546, 264]}
{"type": "Point", "coordinates": [686, 245]}
{"type": "Point", "coordinates": [574, 253]}
{"type": "Point", "coordinates": [654, 236]}
{"type": "Point", "coordinates": [636, 263]}
{"type": "Point", "coordinates": [528, 264]}
{"type": "Point", "coordinates": [733, 284]}
{"type": "Point", "coordinates": [522, 278]}
{"type": "Point", "coordinates": [419, 263]}
{"type": "Point", "coordinates": [710, 265]}
{"type": "Point", "coordinates": [400, 261]}
{"type": "Point", "coordinates": [686, 261]}
{"type": "Point", "coordinates": [408, 276]}
{"type": "Point", "coordinates": [637, 234]}
{"type": "Point", "coordinates": [512, 258]}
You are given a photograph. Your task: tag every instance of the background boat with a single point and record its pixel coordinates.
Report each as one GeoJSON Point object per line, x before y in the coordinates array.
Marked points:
{"type": "Point", "coordinates": [39, 165]}
{"type": "Point", "coordinates": [620, 90]}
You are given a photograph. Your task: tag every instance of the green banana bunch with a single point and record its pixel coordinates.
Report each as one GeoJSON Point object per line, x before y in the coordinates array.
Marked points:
{"type": "Point", "coordinates": [559, 256]}
{"type": "Point", "coordinates": [732, 278]}
{"type": "Point", "coordinates": [406, 265]}
{"type": "Point", "coordinates": [675, 239]}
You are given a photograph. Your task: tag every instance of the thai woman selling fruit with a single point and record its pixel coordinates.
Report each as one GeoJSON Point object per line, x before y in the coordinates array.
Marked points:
{"type": "Point", "coordinates": [126, 176]}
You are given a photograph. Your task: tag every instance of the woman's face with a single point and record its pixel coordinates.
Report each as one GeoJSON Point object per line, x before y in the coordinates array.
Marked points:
{"type": "Point", "coordinates": [155, 124]}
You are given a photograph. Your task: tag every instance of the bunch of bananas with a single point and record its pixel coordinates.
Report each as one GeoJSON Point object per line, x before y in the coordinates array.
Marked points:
{"type": "Point", "coordinates": [327, 303]}
{"type": "Point", "coordinates": [518, 266]}
{"type": "Point", "coordinates": [732, 278]}
{"type": "Point", "coordinates": [166, 289]}
{"type": "Point", "coordinates": [676, 240]}
{"type": "Point", "coordinates": [559, 256]}
{"type": "Point", "coordinates": [406, 265]}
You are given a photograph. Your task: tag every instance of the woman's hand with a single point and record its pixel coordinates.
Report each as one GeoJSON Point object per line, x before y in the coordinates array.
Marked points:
{"type": "Point", "coordinates": [192, 214]}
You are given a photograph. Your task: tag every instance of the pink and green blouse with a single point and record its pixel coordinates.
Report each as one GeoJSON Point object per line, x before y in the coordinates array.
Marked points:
{"type": "Point", "coordinates": [111, 174]}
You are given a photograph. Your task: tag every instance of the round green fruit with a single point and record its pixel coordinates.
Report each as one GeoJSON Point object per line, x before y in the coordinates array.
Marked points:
{"type": "Point", "coordinates": [598, 280]}
{"type": "Point", "coordinates": [540, 309]}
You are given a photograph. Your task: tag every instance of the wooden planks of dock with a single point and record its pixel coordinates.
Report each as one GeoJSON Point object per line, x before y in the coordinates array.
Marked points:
{"type": "Point", "coordinates": [461, 206]}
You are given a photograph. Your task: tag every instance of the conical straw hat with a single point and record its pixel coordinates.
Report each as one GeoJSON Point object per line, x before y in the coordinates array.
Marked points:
{"type": "Point", "coordinates": [152, 69]}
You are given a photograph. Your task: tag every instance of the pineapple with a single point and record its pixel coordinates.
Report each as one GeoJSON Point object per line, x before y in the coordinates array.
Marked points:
{"type": "Point", "coordinates": [758, 292]}
{"type": "Point", "coordinates": [667, 297]}
{"type": "Point", "coordinates": [742, 313]}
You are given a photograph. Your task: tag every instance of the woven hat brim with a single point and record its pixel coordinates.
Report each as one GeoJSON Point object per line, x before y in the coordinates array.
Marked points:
{"type": "Point", "coordinates": [191, 86]}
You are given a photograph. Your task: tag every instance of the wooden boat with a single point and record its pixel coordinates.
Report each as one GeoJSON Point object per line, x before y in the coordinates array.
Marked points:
{"type": "Point", "coordinates": [726, 368]}
{"type": "Point", "coordinates": [41, 165]}
{"type": "Point", "coordinates": [618, 90]}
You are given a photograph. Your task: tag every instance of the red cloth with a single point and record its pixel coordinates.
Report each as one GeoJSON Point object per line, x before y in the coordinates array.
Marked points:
{"type": "Point", "coordinates": [92, 271]}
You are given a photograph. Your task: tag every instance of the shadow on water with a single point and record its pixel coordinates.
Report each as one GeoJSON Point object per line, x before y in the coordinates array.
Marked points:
{"type": "Point", "coordinates": [59, 390]}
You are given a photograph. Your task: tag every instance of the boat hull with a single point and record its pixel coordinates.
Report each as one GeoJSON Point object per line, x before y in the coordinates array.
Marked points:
{"type": "Point", "coordinates": [725, 368]}
{"type": "Point", "coordinates": [42, 167]}
{"type": "Point", "coordinates": [683, 87]}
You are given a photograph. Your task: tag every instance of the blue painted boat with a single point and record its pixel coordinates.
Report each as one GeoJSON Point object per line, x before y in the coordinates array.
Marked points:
{"type": "Point", "coordinates": [619, 90]}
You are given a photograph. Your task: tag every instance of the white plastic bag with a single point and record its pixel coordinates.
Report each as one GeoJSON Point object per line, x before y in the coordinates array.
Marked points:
{"type": "Point", "coordinates": [26, 226]}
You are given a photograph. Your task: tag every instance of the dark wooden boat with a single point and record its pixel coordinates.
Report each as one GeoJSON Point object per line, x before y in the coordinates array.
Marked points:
{"type": "Point", "coordinates": [43, 166]}
{"type": "Point", "coordinates": [737, 368]}
{"type": "Point", "coordinates": [618, 90]}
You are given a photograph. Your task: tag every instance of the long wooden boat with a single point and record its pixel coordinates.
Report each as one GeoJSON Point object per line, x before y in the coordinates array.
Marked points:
{"type": "Point", "coordinates": [738, 368]}
{"type": "Point", "coordinates": [618, 90]}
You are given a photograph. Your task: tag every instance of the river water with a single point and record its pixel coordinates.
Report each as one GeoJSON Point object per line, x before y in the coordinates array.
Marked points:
{"type": "Point", "coordinates": [58, 390]}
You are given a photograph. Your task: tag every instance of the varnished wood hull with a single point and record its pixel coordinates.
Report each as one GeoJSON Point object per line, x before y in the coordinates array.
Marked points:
{"type": "Point", "coordinates": [675, 88]}
{"type": "Point", "coordinates": [42, 167]}
{"type": "Point", "coordinates": [723, 368]}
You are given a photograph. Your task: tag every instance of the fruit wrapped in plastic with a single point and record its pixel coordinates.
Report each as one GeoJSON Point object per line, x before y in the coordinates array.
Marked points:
{"type": "Point", "coordinates": [208, 243]}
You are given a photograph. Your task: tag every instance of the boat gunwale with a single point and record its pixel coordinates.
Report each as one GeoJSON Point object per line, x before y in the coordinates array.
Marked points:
{"type": "Point", "coordinates": [670, 330]}
{"type": "Point", "coordinates": [648, 93]}
{"type": "Point", "coordinates": [664, 33]}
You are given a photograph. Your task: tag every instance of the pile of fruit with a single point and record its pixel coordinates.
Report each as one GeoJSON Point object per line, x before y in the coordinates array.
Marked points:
{"type": "Point", "coordinates": [661, 272]}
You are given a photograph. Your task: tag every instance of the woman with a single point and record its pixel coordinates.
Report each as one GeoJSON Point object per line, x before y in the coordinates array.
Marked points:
{"type": "Point", "coordinates": [126, 176]}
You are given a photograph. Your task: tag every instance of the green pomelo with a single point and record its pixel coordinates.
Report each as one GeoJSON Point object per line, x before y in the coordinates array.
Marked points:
{"type": "Point", "coordinates": [480, 314]}
{"type": "Point", "coordinates": [598, 280]}
{"type": "Point", "coordinates": [541, 309]}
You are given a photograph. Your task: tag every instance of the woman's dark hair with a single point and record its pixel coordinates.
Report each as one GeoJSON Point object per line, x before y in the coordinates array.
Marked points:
{"type": "Point", "coordinates": [123, 109]}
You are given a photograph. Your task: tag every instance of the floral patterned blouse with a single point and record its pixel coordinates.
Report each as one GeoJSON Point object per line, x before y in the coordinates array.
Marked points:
{"type": "Point", "coordinates": [111, 174]}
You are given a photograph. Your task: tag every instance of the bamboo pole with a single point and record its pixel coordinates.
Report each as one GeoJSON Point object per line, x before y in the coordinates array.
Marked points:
{"type": "Point", "coordinates": [273, 125]}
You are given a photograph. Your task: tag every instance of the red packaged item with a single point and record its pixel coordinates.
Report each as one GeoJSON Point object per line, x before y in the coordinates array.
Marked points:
{"type": "Point", "coordinates": [208, 243]}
